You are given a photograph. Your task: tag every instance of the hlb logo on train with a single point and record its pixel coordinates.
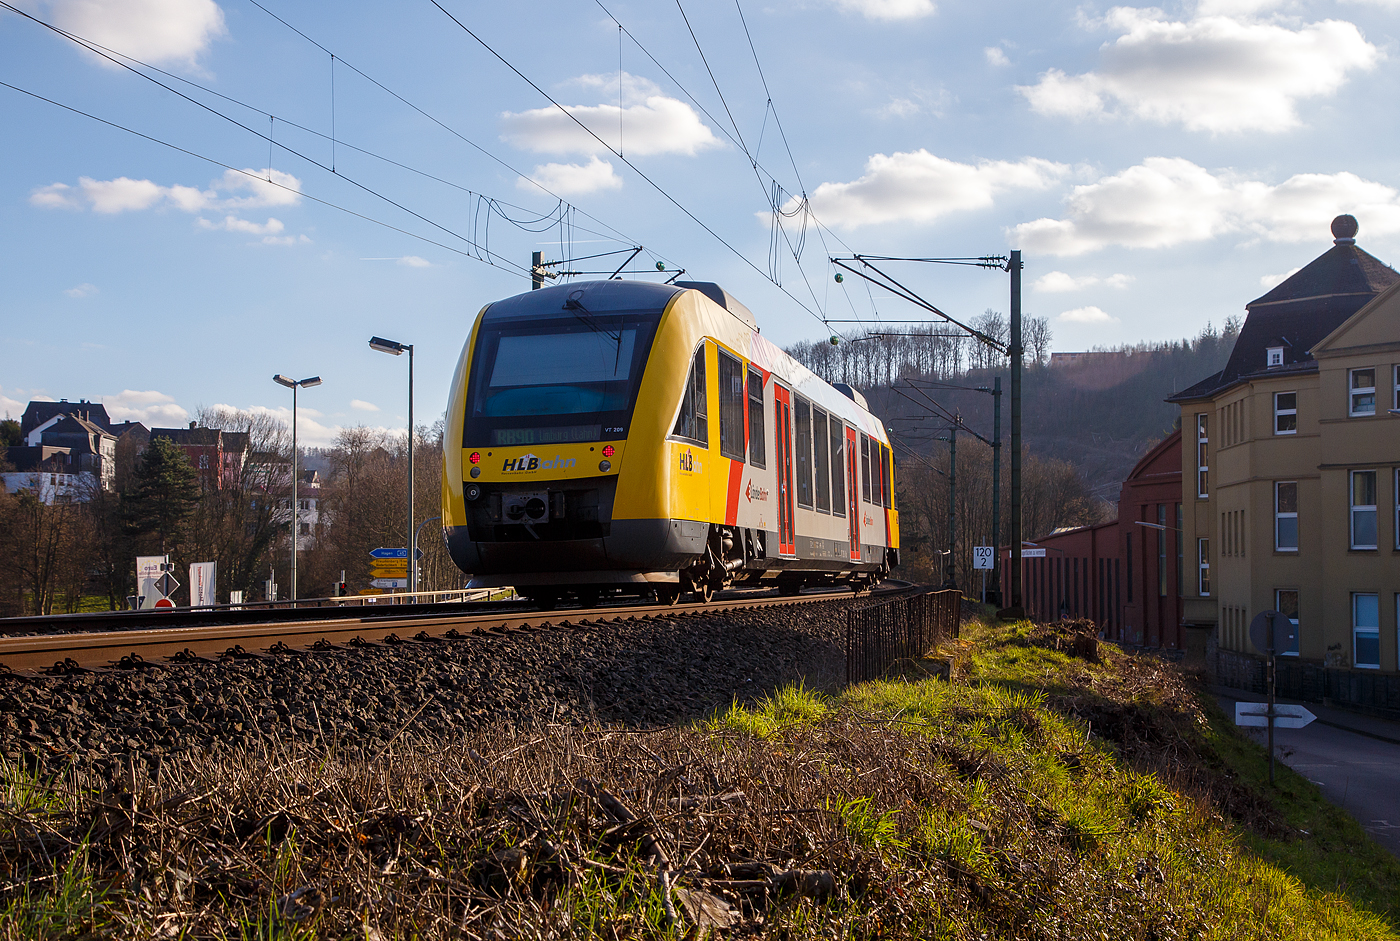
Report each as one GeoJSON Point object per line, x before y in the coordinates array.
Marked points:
{"type": "Point", "coordinates": [529, 462]}
{"type": "Point", "coordinates": [688, 463]}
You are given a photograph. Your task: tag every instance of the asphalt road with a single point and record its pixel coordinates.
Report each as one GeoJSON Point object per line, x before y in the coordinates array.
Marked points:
{"type": "Point", "coordinates": [1354, 759]}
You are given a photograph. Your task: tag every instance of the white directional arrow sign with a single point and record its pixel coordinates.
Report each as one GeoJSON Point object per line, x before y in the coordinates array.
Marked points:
{"type": "Point", "coordinates": [388, 582]}
{"type": "Point", "coordinates": [1285, 716]}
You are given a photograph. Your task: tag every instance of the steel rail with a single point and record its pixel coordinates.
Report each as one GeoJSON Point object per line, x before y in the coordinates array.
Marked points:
{"type": "Point", "coordinates": [72, 652]}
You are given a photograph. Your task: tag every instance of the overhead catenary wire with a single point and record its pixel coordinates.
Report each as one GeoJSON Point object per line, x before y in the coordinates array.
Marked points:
{"type": "Point", "coordinates": [589, 131]}
{"type": "Point", "coordinates": [504, 262]}
{"type": "Point", "coordinates": [562, 210]}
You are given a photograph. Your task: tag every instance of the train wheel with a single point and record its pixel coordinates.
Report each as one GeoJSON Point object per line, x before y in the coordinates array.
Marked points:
{"type": "Point", "coordinates": [789, 586]}
{"type": "Point", "coordinates": [546, 599]}
{"type": "Point", "coordinates": [589, 598]}
{"type": "Point", "coordinates": [704, 591]}
{"type": "Point", "coordinates": [668, 596]}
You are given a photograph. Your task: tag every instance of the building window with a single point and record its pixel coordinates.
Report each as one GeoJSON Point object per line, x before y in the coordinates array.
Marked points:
{"type": "Point", "coordinates": [1203, 563]}
{"type": "Point", "coordinates": [204, 462]}
{"type": "Point", "coordinates": [1180, 561]}
{"type": "Point", "coordinates": [838, 467]}
{"type": "Point", "coordinates": [1363, 509]}
{"type": "Point", "coordinates": [1285, 413]}
{"type": "Point", "coordinates": [758, 447]}
{"type": "Point", "coordinates": [1363, 391]}
{"type": "Point", "coordinates": [731, 407]}
{"type": "Point", "coordinates": [821, 460]}
{"type": "Point", "coordinates": [1286, 516]}
{"type": "Point", "coordinates": [1366, 630]}
{"type": "Point", "coordinates": [1396, 492]}
{"type": "Point", "coordinates": [1203, 455]}
{"type": "Point", "coordinates": [306, 529]}
{"type": "Point", "coordinates": [1275, 356]}
{"type": "Point", "coordinates": [1396, 402]}
{"type": "Point", "coordinates": [1162, 550]}
{"type": "Point", "coordinates": [1286, 603]}
{"type": "Point", "coordinates": [804, 452]}
{"type": "Point", "coordinates": [693, 422]}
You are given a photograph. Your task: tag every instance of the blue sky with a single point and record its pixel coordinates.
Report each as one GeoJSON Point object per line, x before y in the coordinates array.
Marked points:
{"type": "Point", "coordinates": [1159, 167]}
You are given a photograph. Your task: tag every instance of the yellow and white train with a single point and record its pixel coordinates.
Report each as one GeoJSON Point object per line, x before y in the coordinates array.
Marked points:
{"type": "Point", "coordinates": [623, 437]}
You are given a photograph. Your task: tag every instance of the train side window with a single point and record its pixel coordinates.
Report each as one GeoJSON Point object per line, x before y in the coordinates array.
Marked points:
{"type": "Point", "coordinates": [693, 422]}
{"type": "Point", "coordinates": [838, 467]}
{"type": "Point", "coordinates": [821, 461]}
{"type": "Point", "coordinates": [758, 447]}
{"type": "Point", "coordinates": [731, 407]}
{"type": "Point", "coordinates": [865, 469]}
{"type": "Point", "coordinates": [804, 451]}
{"type": "Point", "coordinates": [886, 496]}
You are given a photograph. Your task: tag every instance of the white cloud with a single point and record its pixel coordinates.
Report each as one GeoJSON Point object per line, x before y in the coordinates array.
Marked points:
{"type": "Point", "coordinates": [407, 261]}
{"type": "Point", "coordinates": [55, 196]}
{"type": "Point", "coordinates": [364, 406]}
{"type": "Point", "coordinates": [573, 179]}
{"type": "Point", "coordinates": [120, 195]}
{"type": "Point", "coordinates": [152, 409]}
{"type": "Point", "coordinates": [1090, 315]}
{"type": "Point", "coordinates": [157, 31]}
{"type": "Point", "coordinates": [920, 187]}
{"type": "Point", "coordinates": [285, 240]}
{"type": "Point", "coordinates": [1058, 282]}
{"type": "Point", "coordinates": [889, 9]}
{"type": "Point", "coordinates": [995, 56]}
{"type": "Point", "coordinates": [234, 224]}
{"type": "Point", "coordinates": [652, 123]}
{"type": "Point", "coordinates": [12, 408]}
{"type": "Point", "coordinates": [266, 187]}
{"type": "Point", "coordinates": [82, 290]}
{"type": "Point", "coordinates": [898, 108]}
{"type": "Point", "coordinates": [1270, 281]}
{"type": "Point", "coordinates": [1210, 73]}
{"type": "Point", "coordinates": [1166, 201]}
{"type": "Point", "coordinates": [311, 432]}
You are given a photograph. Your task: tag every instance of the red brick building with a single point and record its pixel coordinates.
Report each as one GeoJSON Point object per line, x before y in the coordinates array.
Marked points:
{"type": "Point", "coordinates": [1125, 575]}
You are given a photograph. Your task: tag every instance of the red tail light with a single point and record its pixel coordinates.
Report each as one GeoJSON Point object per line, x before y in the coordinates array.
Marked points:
{"type": "Point", "coordinates": [609, 450]}
{"type": "Point", "coordinates": [475, 458]}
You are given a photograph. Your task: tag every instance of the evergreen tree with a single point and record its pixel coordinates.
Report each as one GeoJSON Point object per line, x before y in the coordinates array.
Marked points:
{"type": "Point", "coordinates": [165, 491]}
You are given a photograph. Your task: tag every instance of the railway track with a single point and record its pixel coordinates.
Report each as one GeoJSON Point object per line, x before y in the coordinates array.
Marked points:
{"type": "Point", "coordinates": [60, 654]}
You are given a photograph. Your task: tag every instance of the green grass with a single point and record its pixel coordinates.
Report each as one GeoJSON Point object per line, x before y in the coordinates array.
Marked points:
{"type": "Point", "coordinates": [1028, 782]}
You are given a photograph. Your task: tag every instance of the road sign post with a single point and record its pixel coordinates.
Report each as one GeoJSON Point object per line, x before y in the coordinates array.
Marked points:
{"type": "Point", "coordinates": [983, 559]}
{"type": "Point", "coordinates": [1265, 632]}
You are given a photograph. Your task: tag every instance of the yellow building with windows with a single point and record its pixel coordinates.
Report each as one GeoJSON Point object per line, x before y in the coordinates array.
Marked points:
{"type": "Point", "coordinates": [1291, 467]}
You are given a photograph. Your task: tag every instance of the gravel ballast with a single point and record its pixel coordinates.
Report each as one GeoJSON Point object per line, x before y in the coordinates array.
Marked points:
{"type": "Point", "coordinates": [638, 673]}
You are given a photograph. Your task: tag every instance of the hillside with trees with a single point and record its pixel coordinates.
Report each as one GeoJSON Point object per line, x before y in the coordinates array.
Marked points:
{"type": "Point", "coordinates": [1085, 424]}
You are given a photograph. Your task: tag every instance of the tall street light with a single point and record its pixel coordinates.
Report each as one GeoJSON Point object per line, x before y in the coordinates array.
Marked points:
{"type": "Point", "coordinates": [395, 348]}
{"type": "Point", "coordinates": [294, 384]}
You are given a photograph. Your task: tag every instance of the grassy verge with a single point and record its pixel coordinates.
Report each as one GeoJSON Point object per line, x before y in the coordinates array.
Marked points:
{"type": "Point", "coordinates": [1040, 795]}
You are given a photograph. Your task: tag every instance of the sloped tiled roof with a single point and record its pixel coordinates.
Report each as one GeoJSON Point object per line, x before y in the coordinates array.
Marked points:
{"type": "Point", "coordinates": [1301, 311]}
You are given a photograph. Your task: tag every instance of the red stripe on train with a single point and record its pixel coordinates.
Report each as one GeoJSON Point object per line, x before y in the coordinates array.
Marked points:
{"type": "Point", "coordinates": [736, 481]}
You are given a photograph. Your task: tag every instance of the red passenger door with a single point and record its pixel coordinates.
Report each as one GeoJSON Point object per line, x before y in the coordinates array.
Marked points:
{"type": "Point", "coordinates": [782, 398]}
{"type": "Point", "coordinates": [853, 490]}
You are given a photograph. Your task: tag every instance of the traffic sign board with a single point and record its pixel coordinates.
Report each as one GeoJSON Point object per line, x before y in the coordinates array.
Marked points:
{"type": "Point", "coordinates": [1285, 634]}
{"type": "Point", "coordinates": [371, 591]}
{"type": "Point", "coordinates": [167, 584]}
{"type": "Point", "coordinates": [1285, 716]}
{"type": "Point", "coordinates": [982, 557]}
{"type": "Point", "coordinates": [390, 565]}
{"type": "Point", "coordinates": [389, 582]}
{"type": "Point", "coordinates": [383, 553]}
{"type": "Point", "coordinates": [165, 603]}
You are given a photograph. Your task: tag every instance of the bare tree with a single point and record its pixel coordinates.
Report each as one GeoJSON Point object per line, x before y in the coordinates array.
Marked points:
{"type": "Point", "coordinates": [1036, 337]}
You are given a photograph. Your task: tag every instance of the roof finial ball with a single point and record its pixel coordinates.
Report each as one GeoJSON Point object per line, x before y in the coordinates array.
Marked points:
{"type": "Point", "coordinates": [1344, 229]}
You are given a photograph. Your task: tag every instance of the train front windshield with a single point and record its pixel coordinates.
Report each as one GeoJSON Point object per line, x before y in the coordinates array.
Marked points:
{"type": "Point", "coordinates": [557, 381]}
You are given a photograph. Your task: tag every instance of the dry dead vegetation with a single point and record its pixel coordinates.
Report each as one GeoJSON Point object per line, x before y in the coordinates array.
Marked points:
{"type": "Point", "coordinates": [1037, 796]}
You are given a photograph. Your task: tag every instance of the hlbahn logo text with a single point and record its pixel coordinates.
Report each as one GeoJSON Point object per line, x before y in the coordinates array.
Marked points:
{"type": "Point", "coordinates": [529, 462]}
{"type": "Point", "coordinates": [687, 462]}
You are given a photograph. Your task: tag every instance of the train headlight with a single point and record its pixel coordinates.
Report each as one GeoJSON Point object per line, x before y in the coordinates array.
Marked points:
{"type": "Point", "coordinates": [609, 450]}
{"type": "Point", "coordinates": [475, 457]}
{"type": "Point", "coordinates": [605, 466]}
{"type": "Point", "coordinates": [476, 471]}
{"type": "Point", "coordinates": [473, 492]}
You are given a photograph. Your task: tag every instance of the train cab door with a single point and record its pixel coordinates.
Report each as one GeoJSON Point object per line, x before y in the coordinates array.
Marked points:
{"type": "Point", "coordinates": [782, 430]}
{"type": "Point", "coordinates": [853, 490]}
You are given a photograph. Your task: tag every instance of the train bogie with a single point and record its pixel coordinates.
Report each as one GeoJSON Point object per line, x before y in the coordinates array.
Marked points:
{"type": "Point", "coordinates": [641, 438]}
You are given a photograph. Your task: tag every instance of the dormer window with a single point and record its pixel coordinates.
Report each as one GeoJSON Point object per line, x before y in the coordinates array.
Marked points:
{"type": "Point", "coordinates": [1275, 356]}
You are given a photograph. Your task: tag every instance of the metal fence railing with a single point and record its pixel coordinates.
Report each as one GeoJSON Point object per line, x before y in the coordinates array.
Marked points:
{"type": "Point", "coordinates": [882, 633]}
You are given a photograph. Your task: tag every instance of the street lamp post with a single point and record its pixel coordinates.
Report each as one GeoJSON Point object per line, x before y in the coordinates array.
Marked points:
{"type": "Point", "coordinates": [395, 348]}
{"type": "Point", "coordinates": [294, 384]}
